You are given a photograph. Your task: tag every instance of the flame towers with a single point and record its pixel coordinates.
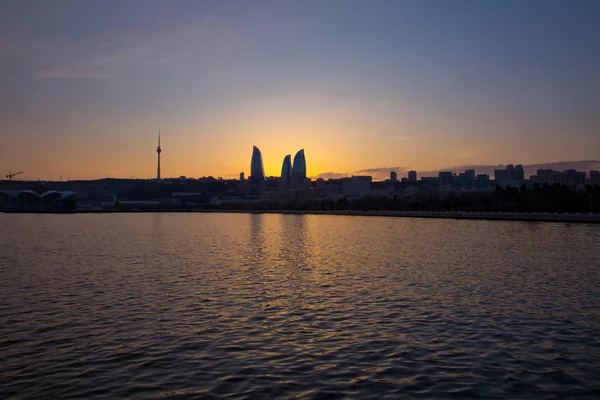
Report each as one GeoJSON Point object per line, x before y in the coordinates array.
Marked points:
{"type": "Point", "coordinates": [299, 168]}
{"type": "Point", "coordinates": [286, 169]}
{"type": "Point", "coordinates": [257, 171]}
{"type": "Point", "coordinates": [290, 173]}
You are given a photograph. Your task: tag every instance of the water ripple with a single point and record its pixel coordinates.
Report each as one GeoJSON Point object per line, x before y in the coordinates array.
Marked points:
{"type": "Point", "coordinates": [296, 307]}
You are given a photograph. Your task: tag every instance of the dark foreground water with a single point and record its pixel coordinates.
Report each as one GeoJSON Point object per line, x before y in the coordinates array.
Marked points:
{"type": "Point", "coordinates": [285, 306]}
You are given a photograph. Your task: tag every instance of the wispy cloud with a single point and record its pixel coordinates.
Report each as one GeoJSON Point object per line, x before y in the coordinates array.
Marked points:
{"type": "Point", "coordinates": [332, 175]}
{"type": "Point", "coordinates": [380, 172]}
{"type": "Point", "coordinates": [128, 54]}
{"type": "Point", "coordinates": [107, 65]}
{"type": "Point", "coordinates": [376, 173]}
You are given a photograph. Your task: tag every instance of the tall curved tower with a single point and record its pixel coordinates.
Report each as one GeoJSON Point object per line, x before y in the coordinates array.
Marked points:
{"type": "Point", "coordinates": [257, 171]}
{"type": "Point", "coordinates": [299, 168]}
{"type": "Point", "coordinates": [286, 169]}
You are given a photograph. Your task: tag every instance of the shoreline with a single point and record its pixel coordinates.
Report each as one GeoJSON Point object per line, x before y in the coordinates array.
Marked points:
{"type": "Point", "coordinates": [486, 216]}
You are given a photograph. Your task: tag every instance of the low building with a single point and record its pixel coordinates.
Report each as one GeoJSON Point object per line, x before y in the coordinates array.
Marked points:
{"type": "Point", "coordinates": [545, 176]}
{"type": "Point", "coordinates": [572, 178]}
{"type": "Point", "coordinates": [357, 186]}
{"type": "Point", "coordinates": [292, 195]}
{"type": "Point", "coordinates": [594, 177]}
{"type": "Point", "coordinates": [9, 199]}
{"type": "Point", "coordinates": [190, 199]}
{"type": "Point", "coordinates": [482, 181]}
{"type": "Point", "coordinates": [29, 199]}
{"type": "Point", "coordinates": [501, 175]}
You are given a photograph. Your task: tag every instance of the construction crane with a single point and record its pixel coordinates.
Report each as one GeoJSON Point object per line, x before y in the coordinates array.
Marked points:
{"type": "Point", "coordinates": [10, 175]}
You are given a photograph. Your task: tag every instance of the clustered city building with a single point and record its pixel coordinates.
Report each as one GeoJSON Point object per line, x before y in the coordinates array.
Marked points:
{"type": "Point", "coordinates": [294, 184]}
{"type": "Point", "coordinates": [291, 187]}
{"type": "Point", "coordinates": [512, 176]}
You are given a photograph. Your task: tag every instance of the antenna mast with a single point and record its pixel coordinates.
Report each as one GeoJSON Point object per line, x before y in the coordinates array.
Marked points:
{"type": "Point", "coordinates": [158, 151]}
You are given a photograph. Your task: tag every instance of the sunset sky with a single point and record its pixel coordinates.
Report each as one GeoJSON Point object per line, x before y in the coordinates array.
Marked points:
{"type": "Point", "coordinates": [85, 85]}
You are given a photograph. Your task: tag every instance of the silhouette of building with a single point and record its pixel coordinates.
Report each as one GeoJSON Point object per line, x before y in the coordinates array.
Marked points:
{"type": "Point", "coordinates": [510, 170]}
{"type": "Point", "coordinates": [50, 199]}
{"type": "Point", "coordinates": [446, 178]}
{"type": "Point", "coordinates": [299, 167]}
{"type": "Point", "coordinates": [573, 179]}
{"type": "Point", "coordinates": [242, 177]}
{"type": "Point", "coordinates": [158, 151]}
{"type": "Point", "coordinates": [556, 177]}
{"type": "Point", "coordinates": [594, 177]}
{"type": "Point", "coordinates": [510, 176]}
{"type": "Point", "coordinates": [393, 176]}
{"type": "Point", "coordinates": [430, 181]}
{"type": "Point", "coordinates": [519, 172]}
{"type": "Point", "coordinates": [482, 180]}
{"type": "Point", "coordinates": [501, 175]}
{"type": "Point", "coordinates": [257, 171]}
{"type": "Point", "coordinates": [286, 169]}
{"type": "Point", "coordinates": [356, 186]}
{"type": "Point", "coordinates": [545, 176]}
{"type": "Point", "coordinates": [412, 175]}
{"type": "Point", "coordinates": [470, 177]}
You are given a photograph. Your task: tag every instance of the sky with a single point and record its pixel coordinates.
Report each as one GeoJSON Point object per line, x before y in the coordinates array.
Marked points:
{"type": "Point", "coordinates": [360, 85]}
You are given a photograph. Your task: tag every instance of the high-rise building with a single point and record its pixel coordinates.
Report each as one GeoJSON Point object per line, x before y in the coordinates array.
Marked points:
{"type": "Point", "coordinates": [393, 176]}
{"type": "Point", "coordinates": [257, 171]}
{"type": "Point", "coordinates": [286, 169]}
{"type": "Point", "coordinates": [241, 177]}
{"type": "Point", "coordinates": [158, 151]}
{"type": "Point", "coordinates": [519, 172]}
{"type": "Point", "coordinates": [581, 178]}
{"type": "Point", "coordinates": [412, 175]}
{"type": "Point", "coordinates": [470, 177]}
{"type": "Point", "coordinates": [510, 170]}
{"type": "Point", "coordinates": [594, 177]}
{"type": "Point", "coordinates": [299, 167]}
{"type": "Point", "coordinates": [446, 178]}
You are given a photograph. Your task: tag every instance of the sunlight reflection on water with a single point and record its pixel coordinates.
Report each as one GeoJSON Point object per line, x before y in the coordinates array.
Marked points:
{"type": "Point", "coordinates": [266, 305]}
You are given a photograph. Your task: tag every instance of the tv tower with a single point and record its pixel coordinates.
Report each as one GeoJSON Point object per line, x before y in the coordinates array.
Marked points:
{"type": "Point", "coordinates": [158, 151]}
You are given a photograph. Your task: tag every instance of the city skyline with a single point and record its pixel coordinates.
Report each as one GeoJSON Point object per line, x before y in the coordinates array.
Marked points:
{"type": "Point", "coordinates": [421, 85]}
{"type": "Point", "coordinates": [257, 170]}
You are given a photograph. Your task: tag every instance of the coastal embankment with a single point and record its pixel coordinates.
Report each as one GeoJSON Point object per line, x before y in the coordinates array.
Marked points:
{"type": "Point", "coordinates": [491, 216]}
